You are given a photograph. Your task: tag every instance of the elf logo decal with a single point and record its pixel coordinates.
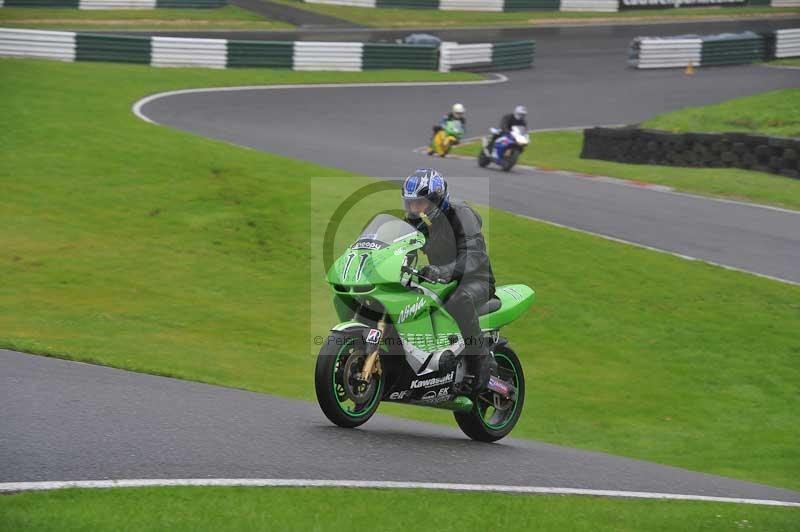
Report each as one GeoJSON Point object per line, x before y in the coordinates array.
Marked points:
{"type": "Point", "coordinates": [410, 310]}
{"type": "Point", "coordinates": [400, 395]}
{"type": "Point", "coordinates": [435, 381]}
{"type": "Point", "coordinates": [436, 397]}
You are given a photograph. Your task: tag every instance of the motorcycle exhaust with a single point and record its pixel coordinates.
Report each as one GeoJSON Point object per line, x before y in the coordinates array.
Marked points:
{"type": "Point", "coordinates": [501, 387]}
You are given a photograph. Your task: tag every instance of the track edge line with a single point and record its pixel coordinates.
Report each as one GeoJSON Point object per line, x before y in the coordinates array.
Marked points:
{"type": "Point", "coordinates": [10, 487]}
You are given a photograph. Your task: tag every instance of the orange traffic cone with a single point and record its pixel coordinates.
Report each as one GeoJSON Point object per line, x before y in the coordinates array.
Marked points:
{"type": "Point", "coordinates": [689, 69]}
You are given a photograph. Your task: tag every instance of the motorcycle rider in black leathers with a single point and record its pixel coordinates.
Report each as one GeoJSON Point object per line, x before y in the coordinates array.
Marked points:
{"type": "Point", "coordinates": [456, 250]}
{"type": "Point", "coordinates": [517, 118]}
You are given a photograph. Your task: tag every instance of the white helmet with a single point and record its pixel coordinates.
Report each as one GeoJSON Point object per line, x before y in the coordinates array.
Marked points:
{"type": "Point", "coordinates": [520, 112]}
{"type": "Point", "coordinates": [458, 110]}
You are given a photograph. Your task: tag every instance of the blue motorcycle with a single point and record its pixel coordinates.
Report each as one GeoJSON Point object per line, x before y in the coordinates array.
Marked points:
{"type": "Point", "coordinates": [506, 148]}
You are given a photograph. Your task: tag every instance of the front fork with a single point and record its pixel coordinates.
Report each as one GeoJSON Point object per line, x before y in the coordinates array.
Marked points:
{"type": "Point", "coordinates": [373, 340]}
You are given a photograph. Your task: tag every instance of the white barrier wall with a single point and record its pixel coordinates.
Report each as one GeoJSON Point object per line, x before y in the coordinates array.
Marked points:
{"type": "Point", "coordinates": [33, 43]}
{"type": "Point", "coordinates": [787, 43]}
{"type": "Point", "coordinates": [180, 52]}
{"type": "Point", "coordinates": [310, 55]}
{"type": "Point", "coordinates": [666, 53]}
{"type": "Point", "coordinates": [603, 6]}
{"type": "Point", "coordinates": [471, 5]}
{"type": "Point", "coordinates": [678, 3]}
{"type": "Point", "coordinates": [356, 3]}
{"type": "Point", "coordinates": [785, 3]}
{"type": "Point", "coordinates": [297, 55]}
{"type": "Point", "coordinates": [452, 55]}
{"type": "Point", "coordinates": [117, 4]}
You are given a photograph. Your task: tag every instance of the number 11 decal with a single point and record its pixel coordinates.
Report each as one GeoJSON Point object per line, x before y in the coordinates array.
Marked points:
{"type": "Point", "coordinates": [361, 263]}
{"type": "Point", "coordinates": [364, 257]}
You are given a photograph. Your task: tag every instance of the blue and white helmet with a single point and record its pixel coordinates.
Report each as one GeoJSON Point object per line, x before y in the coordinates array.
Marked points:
{"type": "Point", "coordinates": [425, 191]}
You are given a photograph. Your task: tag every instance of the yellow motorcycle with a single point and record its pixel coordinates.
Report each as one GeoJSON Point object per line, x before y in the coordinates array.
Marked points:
{"type": "Point", "coordinates": [446, 137]}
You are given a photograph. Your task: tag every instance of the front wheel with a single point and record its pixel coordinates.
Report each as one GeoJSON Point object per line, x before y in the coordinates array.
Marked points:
{"type": "Point", "coordinates": [343, 398]}
{"type": "Point", "coordinates": [510, 159]}
{"type": "Point", "coordinates": [492, 417]}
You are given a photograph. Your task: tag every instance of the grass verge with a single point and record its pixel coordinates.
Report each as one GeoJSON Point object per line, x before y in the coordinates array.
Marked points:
{"type": "Point", "coordinates": [228, 17]}
{"type": "Point", "coordinates": [791, 61]}
{"type": "Point", "coordinates": [774, 113]}
{"type": "Point", "coordinates": [770, 113]}
{"type": "Point", "coordinates": [142, 247]}
{"type": "Point", "coordinates": [433, 18]}
{"type": "Point", "coordinates": [219, 509]}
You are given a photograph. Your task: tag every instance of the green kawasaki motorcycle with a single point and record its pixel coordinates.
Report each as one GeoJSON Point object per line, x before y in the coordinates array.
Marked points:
{"type": "Point", "coordinates": [397, 342]}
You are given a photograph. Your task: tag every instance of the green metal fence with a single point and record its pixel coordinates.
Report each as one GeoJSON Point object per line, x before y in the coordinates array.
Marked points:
{"type": "Point", "coordinates": [734, 51]}
{"type": "Point", "coordinates": [260, 54]}
{"type": "Point", "coordinates": [378, 56]}
{"type": "Point", "coordinates": [112, 48]}
{"type": "Point", "coordinates": [513, 55]}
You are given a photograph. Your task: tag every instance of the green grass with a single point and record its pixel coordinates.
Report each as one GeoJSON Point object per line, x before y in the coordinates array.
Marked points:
{"type": "Point", "coordinates": [561, 150]}
{"type": "Point", "coordinates": [319, 509]}
{"type": "Point", "coordinates": [791, 61]}
{"type": "Point", "coordinates": [228, 17]}
{"type": "Point", "coordinates": [430, 18]}
{"type": "Point", "coordinates": [774, 113]}
{"type": "Point", "coordinates": [143, 247]}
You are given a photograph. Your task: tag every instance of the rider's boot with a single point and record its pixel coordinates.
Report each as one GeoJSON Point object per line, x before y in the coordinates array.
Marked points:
{"type": "Point", "coordinates": [481, 364]}
{"type": "Point", "coordinates": [485, 365]}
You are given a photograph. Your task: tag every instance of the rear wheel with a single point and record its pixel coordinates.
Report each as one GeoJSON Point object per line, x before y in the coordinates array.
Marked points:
{"type": "Point", "coordinates": [492, 416]}
{"type": "Point", "coordinates": [483, 159]}
{"type": "Point", "coordinates": [343, 398]}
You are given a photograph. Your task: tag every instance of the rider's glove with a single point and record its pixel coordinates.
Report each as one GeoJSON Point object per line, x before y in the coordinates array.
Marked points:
{"type": "Point", "coordinates": [433, 272]}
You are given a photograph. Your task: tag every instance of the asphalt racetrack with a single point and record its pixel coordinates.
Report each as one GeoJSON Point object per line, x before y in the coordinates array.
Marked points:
{"type": "Point", "coordinates": [374, 130]}
{"type": "Point", "coordinates": [67, 421]}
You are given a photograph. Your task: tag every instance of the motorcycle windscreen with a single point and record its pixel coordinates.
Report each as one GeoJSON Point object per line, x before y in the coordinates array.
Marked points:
{"type": "Point", "coordinates": [385, 230]}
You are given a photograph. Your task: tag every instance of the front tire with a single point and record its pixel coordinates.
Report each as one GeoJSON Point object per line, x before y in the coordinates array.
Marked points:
{"type": "Point", "coordinates": [510, 160]}
{"type": "Point", "coordinates": [486, 422]}
{"type": "Point", "coordinates": [344, 400]}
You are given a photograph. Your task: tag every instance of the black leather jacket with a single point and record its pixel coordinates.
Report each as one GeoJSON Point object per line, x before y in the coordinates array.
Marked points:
{"type": "Point", "coordinates": [508, 121]}
{"type": "Point", "coordinates": [454, 242]}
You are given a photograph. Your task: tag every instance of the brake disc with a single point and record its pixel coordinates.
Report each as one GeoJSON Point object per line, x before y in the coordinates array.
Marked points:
{"type": "Point", "coordinates": [357, 390]}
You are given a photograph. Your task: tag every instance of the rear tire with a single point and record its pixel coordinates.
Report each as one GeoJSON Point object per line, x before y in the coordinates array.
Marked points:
{"type": "Point", "coordinates": [483, 160]}
{"type": "Point", "coordinates": [484, 422]}
{"type": "Point", "coordinates": [332, 383]}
